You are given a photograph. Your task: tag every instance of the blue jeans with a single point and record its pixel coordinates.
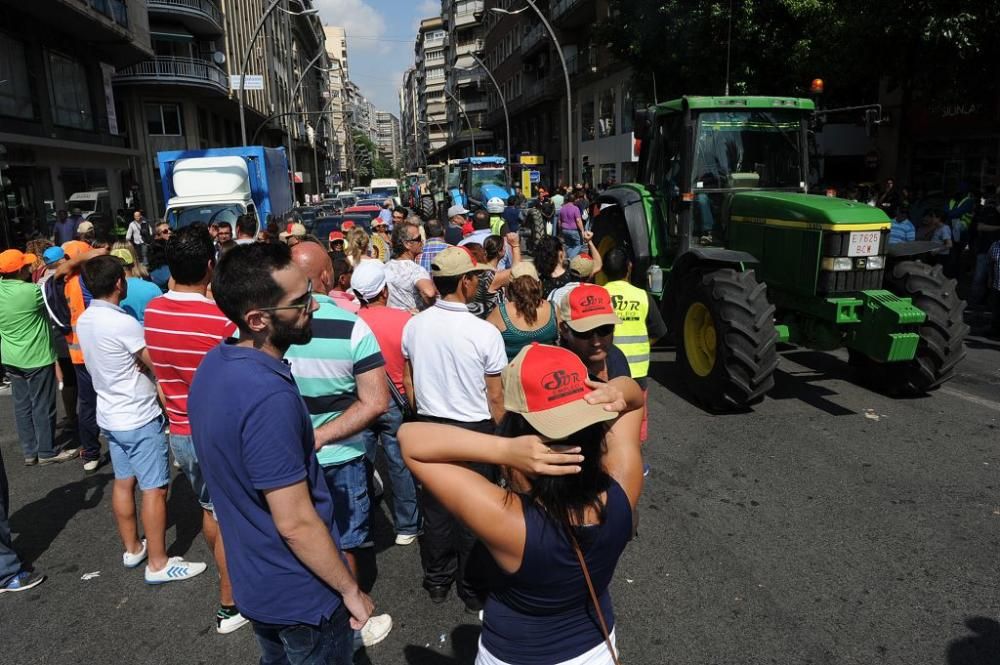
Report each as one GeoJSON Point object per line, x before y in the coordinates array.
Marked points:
{"type": "Point", "coordinates": [141, 453]}
{"type": "Point", "coordinates": [187, 458]}
{"type": "Point", "coordinates": [348, 483]}
{"type": "Point", "coordinates": [330, 643]}
{"type": "Point", "coordinates": [10, 565]}
{"type": "Point", "coordinates": [405, 512]}
{"type": "Point", "coordinates": [34, 392]}
{"type": "Point", "coordinates": [573, 242]}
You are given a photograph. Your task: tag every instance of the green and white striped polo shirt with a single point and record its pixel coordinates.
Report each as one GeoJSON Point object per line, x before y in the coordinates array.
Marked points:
{"type": "Point", "coordinates": [342, 347]}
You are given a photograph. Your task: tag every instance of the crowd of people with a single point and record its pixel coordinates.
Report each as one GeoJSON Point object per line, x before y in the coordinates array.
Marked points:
{"type": "Point", "coordinates": [965, 223]}
{"type": "Point", "coordinates": [473, 359]}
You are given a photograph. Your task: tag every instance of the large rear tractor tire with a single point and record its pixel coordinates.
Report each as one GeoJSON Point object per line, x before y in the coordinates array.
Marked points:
{"type": "Point", "coordinates": [942, 334]}
{"type": "Point", "coordinates": [726, 339]}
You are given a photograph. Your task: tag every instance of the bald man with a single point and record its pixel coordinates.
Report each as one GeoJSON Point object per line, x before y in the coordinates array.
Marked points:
{"type": "Point", "coordinates": [341, 375]}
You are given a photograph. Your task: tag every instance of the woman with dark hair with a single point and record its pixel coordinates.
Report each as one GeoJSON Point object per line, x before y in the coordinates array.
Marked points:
{"type": "Point", "coordinates": [550, 261]}
{"type": "Point", "coordinates": [527, 316]}
{"type": "Point", "coordinates": [556, 535]}
{"type": "Point", "coordinates": [491, 284]}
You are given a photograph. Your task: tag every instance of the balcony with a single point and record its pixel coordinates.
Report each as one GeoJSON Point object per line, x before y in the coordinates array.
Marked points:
{"type": "Point", "coordinates": [573, 13]}
{"type": "Point", "coordinates": [175, 71]}
{"type": "Point", "coordinates": [465, 77]}
{"type": "Point", "coordinates": [201, 17]}
{"type": "Point", "coordinates": [469, 13]}
{"type": "Point", "coordinates": [436, 41]}
{"type": "Point", "coordinates": [473, 46]}
{"type": "Point", "coordinates": [533, 38]}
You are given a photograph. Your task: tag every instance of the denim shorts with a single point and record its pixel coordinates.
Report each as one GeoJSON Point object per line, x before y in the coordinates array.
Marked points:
{"type": "Point", "coordinates": [348, 483]}
{"type": "Point", "coordinates": [141, 454]}
{"type": "Point", "coordinates": [184, 454]}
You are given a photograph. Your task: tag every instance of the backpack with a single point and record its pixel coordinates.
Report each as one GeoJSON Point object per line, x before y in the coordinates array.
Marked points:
{"type": "Point", "coordinates": [56, 304]}
{"type": "Point", "coordinates": [145, 231]}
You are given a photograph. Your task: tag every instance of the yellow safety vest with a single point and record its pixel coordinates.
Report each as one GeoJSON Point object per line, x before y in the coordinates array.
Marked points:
{"type": "Point", "coordinates": [965, 221]}
{"type": "Point", "coordinates": [631, 335]}
{"type": "Point", "coordinates": [496, 225]}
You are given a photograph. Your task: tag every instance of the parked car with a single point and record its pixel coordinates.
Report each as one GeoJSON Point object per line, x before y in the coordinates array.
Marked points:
{"type": "Point", "coordinates": [371, 210]}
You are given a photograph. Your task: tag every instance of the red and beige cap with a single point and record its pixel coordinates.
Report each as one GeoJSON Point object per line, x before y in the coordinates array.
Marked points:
{"type": "Point", "coordinates": [455, 261]}
{"type": "Point", "coordinates": [582, 265]}
{"type": "Point", "coordinates": [547, 385]}
{"type": "Point", "coordinates": [13, 260]}
{"type": "Point", "coordinates": [586, 307]}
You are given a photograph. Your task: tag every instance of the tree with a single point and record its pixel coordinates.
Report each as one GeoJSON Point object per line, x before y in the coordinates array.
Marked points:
{"type": "Point", "coordinates": [931, 47]}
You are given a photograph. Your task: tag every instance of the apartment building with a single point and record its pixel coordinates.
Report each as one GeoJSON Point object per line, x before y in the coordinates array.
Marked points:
{"type": "Point", "coordinates": [524, 60]}
{"type": "Point", "coordinates": [336, 51]}
{"type": "Point", "coordinates": [467, 85]}
{"type": "Point", "coordinates": [411, 134]}
{"type": "Point", "coordinates": [388, 137]}
{"type": "Point", "coordinates": [60, 122]}
{"type": "Point", "coordinates": [431, 80]}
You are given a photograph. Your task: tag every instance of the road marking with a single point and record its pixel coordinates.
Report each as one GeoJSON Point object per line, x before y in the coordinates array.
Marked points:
{"type": "Point", "coordinates": [981, 401]}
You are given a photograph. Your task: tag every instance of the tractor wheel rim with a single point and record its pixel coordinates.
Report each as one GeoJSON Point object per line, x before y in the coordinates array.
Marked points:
{"type": "Point", "coordinates": [699, 339]}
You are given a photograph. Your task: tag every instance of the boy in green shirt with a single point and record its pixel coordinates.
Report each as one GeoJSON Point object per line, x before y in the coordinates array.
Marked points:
{"type": "Point", "coordinates": [29, 360]}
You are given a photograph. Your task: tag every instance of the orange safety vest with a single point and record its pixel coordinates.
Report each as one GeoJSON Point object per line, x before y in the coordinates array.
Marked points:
{"type": "Point", "coordinates": [74, 297]}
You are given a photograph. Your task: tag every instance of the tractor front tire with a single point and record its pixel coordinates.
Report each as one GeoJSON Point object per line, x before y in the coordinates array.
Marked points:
{"type": "Point", "coordinates": [726, 339]}
{"type": "Point", "coordinates": [942, 334]}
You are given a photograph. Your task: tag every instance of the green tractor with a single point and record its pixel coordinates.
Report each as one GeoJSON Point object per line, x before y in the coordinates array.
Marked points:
{"type": "Point", "coordinates": [721, 228]}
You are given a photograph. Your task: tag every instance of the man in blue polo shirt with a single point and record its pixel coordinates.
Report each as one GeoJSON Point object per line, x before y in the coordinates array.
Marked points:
{"type": "Point", "coordinates": [340, 373]}
{"type": "Point", "coordinates": [255, 443]}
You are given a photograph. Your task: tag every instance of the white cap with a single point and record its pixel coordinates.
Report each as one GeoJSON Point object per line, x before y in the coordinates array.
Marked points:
{"type": "Point", "coordinates": [456, 210]}
{"type": "Point", "coordinates": [368, 279]}
{"type": "Point", "coordinates": [494, 205]}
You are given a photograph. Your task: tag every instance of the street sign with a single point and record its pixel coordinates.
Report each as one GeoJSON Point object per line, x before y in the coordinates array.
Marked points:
{"type": "Point", "coordinates": [532, 160]}
{"type": "Point", "coordinates": [252, 82]}
{"type": "Point", "coordinates": [536, 177]}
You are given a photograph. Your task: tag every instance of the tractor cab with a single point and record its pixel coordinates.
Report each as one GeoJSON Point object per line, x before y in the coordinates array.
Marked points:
{"type": "Point", "coordinates": [698, 152]}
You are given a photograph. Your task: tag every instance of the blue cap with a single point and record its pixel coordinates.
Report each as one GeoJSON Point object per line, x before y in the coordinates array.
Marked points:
{"type": "Point", "coordinates": [53, 254]}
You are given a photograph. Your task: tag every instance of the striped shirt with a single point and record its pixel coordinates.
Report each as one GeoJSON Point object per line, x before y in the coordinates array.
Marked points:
{"type": "Point", "coordinates": [432, 248]}
{"type": "Point", "coordinates": [181, 328]}
{"type": "Point", "coordinates": [325, 370]}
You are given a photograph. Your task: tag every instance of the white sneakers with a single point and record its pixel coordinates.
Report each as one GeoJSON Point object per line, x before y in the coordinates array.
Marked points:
{"type": "Point", "coordinates": [132, 560]}
{"type": "Point", "coordinates": [177, 569]}
{"type": "Point", "coordinates": [406, 538]}
{"type": "Point", "coordinates": [374, 631]}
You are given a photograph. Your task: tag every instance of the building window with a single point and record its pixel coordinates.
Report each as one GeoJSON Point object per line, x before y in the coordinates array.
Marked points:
{"type": "Point", "coordinates": [587, 120]}
{"type": "Point", "coordinates": [606, 123]}
{"type": "Point", "coordinates": [606, 174]}
{"type": "Point", "coordinates": [164, 120]}
{"type": "Point", "coordinates": [15, 93]}
{"type": "Point", "coordinates": [628, 109]}
{"type": "Point", "coordinates": [70, 94]}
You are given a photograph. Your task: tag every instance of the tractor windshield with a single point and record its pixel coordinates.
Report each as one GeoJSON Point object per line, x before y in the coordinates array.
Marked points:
{"type": "Point", "coordinates": [752, 149]}
{"type": "Point", "coordinates": [487, 176]}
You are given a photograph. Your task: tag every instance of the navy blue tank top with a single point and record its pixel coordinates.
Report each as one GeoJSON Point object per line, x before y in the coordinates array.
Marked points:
{"type": "Point", "coordinates": [543, 614]}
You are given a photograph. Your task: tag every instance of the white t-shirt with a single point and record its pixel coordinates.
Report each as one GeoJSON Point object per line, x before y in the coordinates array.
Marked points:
{"type": "Point", "coordinates": [110, 339]}
{"type": "Point", "coordinates": [451, 352]}
{"type": "Point", "coordinates": [402, 275]}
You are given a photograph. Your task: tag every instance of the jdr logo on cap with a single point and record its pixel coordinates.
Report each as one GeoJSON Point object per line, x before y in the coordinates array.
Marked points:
{"type": "Point", "coordinates": [547, 385]}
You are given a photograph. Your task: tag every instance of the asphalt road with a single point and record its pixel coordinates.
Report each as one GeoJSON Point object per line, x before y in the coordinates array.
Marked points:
{"type": "Point", "coordinates": [829, 525]}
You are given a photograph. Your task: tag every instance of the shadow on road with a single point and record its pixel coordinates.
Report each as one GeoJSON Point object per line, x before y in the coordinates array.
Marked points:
{"type": "Point", "coordinates": [798, 385]}
{"type": "Point", "coordinates": [40, 522]}
{"type": "Point", "coordinates": [982, 648]}
{"type": "Point", "coordinates": [465, 644]}
{"type": "Point", "coordinates": [184, 512]}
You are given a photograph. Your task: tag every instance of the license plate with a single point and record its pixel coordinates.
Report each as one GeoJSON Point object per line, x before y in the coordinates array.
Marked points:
{"type": "Point", "coordinates": [864, 243]}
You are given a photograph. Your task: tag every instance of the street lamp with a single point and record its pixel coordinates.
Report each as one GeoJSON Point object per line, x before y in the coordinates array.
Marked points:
{"type": "Point", "coordinates": [245, 60]}
{"type": "Point", "coordinates": [472, 132]}
{"type": "Point", "coordinates": [562, 61]}
{"type": "Point", "coordinates": [503, 102]}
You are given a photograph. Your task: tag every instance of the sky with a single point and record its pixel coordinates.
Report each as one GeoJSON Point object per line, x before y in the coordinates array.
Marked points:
{"type": "Point", "coordinates": [380, 37]}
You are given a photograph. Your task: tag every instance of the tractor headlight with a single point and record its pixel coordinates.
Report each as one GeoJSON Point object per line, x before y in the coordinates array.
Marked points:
{"type": "Point", "coordinates": [875, 262]}
{"type": "Point", "coordinates": [837, 264]}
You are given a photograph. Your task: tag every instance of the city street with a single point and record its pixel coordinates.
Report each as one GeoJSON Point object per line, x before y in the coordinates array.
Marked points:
{"type": "Point", "coordinates": [829, 525]}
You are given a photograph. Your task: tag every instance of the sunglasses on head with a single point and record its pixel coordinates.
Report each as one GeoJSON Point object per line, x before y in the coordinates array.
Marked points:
{"type": "Point", "coordinates": [600, 331]}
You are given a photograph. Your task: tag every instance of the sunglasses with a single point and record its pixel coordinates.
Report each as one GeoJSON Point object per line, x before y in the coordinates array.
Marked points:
{"type": "Point", "coordinates": [600, 331]}
{"type": "Point", "coordinates": [415, 239]}
{"type": "Point", "coordinates": [302, 302]}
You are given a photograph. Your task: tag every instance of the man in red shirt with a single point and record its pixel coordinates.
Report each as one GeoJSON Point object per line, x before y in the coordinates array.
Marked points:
{"type": "Point", "coordinates": [181, 327]}
{"type": "Point", "coordinates": [369, 285]}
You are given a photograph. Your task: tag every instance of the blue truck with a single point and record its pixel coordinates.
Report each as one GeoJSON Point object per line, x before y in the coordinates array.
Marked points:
{"type": "Point", "coordinates": [221, 184]}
